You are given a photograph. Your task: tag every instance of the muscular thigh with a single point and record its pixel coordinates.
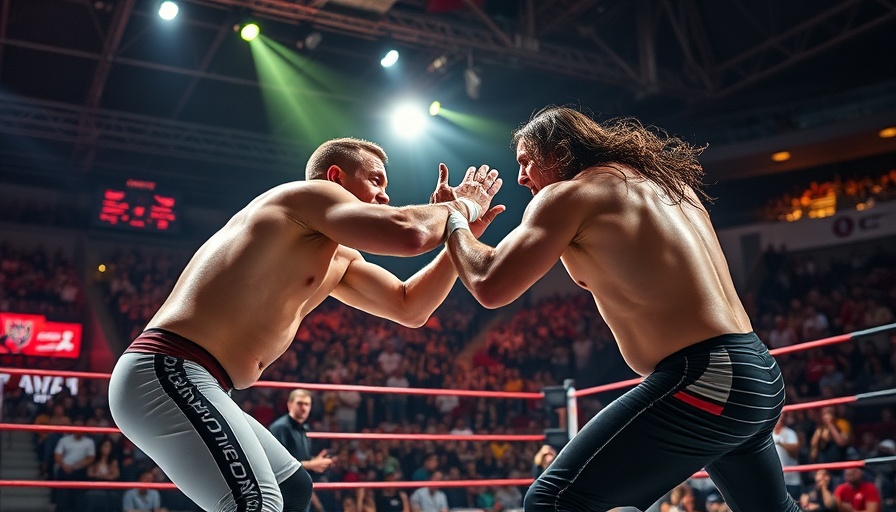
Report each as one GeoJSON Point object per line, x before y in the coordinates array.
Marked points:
{"type": "Point", "coordinates": [282, 462]}
{"type": "Point", "coordinates": [626, 457]}
{"type": "Point", "coordinates": [709, 405]}
{"type": "Point", "coordinates": [180, 417]}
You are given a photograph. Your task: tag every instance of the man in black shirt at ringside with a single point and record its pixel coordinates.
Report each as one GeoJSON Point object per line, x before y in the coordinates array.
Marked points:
{"type": "Point", "coordinates": [291, 428]}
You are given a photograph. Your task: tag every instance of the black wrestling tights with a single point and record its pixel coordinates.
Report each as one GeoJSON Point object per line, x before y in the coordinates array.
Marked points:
{"type": "Point", "coordinates": [296, 491]}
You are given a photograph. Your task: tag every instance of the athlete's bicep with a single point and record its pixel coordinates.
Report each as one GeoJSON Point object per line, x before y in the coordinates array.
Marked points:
{"type": "Point", "coordinates": [337, 214]}
{"type": "Point", "coordinates": [531, 249]}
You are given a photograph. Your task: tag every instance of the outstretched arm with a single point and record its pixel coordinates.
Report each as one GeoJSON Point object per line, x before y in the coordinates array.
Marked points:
{"type": "Point", "coordinates": [497, 276]}
{"type": "Point", "coordinates": [329, 209]}
{"type": "Point", "coordinates": [373, 289]}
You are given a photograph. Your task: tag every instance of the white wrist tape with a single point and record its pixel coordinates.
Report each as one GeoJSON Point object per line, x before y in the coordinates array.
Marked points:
{"type": "Point", "coordinates": [457, 221]}
{"type": "Point", "coordinates": [473, 209]}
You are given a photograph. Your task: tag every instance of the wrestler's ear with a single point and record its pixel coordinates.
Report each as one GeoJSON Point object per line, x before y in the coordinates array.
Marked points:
{"type": "Point", "coordinates": [335, 174]}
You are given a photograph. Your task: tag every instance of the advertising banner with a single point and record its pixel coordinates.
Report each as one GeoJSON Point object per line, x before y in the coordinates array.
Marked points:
{"type": "Point", "coordinates": [33, 335]}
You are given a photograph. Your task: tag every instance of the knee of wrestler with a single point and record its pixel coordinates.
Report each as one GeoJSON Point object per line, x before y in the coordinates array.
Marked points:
{"type": "Point", "coordinates": [268, 500]}
{"type": "Point", "coordinates": [272, 501]}
{"type": "Point", "coordinates": [539, 498]}
{"type": "Point", "coordinates": [296, 491]}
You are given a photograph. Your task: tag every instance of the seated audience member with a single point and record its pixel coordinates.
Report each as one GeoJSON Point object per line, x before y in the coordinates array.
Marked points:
{"type": "Point", "coordinates": [787, 445]}
{"type": "Point", "coordinates": [507, 498]}
{"type": "Point", "coordinates": [715, 503]}
{"type": "Point", "coordinates": [885, 474]}
{"type": "Point", "coordinates": [430, 499]}
{"type": "Point", "coordinates": [856, 494]}
{"type": "Point", "coordinates": [74, 453]}
{"type": "Point", "coordinates": [457, 496]}
{"type": "Point", "coordinates": [143, 500]}
{"type": "Point", "coordinates": [820, 496]}
{"type": "Point", "coordinates": [681, 499]}
{"type": "Point", "coordinates": [831, 438]}
{"type": "Point", "coordinates": [391, 499]}
{"type": "Point", "coordinates": [103, 469]}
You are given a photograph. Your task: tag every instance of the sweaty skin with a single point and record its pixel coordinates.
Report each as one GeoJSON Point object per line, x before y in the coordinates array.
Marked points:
{"type": "Point", "coordinates": [246, 290]}
{"type": "Point", "coordinates": [655, 269]}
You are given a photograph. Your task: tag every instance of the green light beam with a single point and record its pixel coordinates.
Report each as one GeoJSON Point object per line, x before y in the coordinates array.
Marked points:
{"type": "Point", "coordinates": [477, 124]}
{"type": "Point", "coordinates": [306, 117]}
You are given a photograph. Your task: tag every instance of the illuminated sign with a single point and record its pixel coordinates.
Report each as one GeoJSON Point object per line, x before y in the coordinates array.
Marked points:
{"type": "Point", "coordinates": [33, 335]}
{"type": "Point", "coordinates": [138, 206]}
{"type": "Point", "coordinates": [40, 387]}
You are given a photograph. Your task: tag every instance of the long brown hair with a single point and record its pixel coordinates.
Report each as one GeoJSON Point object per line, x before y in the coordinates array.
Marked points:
{"type": "Point", "coordinates": [567, 141]}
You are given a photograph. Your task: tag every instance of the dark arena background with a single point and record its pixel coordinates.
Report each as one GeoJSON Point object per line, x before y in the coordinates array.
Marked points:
{"type": "Point", "coordinates": [130, 131]}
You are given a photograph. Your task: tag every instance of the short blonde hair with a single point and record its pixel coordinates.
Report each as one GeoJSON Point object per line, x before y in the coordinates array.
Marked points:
{"type": "Point", "coordinates": [347, 153]}
{"type": "Point", "coordinates": [296, 393]}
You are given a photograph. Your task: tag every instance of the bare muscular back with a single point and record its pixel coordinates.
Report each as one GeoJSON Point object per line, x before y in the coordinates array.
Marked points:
{"type": "Point", "coordinates": [656, 269]}
{"type": "Point", "coordinates": [244, 293]}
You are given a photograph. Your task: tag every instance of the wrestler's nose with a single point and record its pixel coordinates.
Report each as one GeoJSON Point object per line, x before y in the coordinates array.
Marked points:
{"type": "Point", "coordinates": [382, 198]}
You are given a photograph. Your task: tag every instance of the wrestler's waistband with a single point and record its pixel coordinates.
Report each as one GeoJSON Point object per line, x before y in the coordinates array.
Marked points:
{"type": "Point", "coordinates": [747, 340]}
{"type": "Point", "coordinates": [160, 341]}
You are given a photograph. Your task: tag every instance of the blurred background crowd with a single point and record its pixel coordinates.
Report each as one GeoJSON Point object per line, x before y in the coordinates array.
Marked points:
{"type": "Point", "coordinates": [793, 297]}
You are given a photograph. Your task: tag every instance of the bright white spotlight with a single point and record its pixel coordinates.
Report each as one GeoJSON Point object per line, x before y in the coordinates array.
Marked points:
{"type": "Point", "coordinates": [168, 10]}
{"type": "Point", "coordinates": [408, 120]}
{"type": "Point", "coordinates": [390, 59]}
{"type": "Point", "coordinates": [249, 32]}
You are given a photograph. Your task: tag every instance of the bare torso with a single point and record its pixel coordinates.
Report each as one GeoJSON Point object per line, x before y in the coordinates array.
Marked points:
{"type": "Point", "coordinates": [656, 269]}
{"type": "Point", "coordinates": [246, 290]}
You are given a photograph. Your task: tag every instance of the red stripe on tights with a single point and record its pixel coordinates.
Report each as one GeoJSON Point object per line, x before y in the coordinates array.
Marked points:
{"type": "Point", "coordinates": [700, 404]}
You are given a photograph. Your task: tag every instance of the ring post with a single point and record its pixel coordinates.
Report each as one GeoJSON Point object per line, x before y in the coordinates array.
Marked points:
{"type": "Point", "coordinates": [572, 408]}
{"type": "Point", "coordinates": [556, 403]}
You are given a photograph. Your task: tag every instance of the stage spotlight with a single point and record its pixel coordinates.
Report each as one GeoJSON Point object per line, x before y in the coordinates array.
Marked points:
{"type": "Point", "coordinates": [408, 120]}
{"type": "Point", "coordinates": [472, 83]}
{"type": "Point", "coordinates": [389, 59]}
{"type": "Point", "coordinates": [313, 40]}
{"type": "Point", "coordinates": [438, 64]}
{"type": "Point", "coordinates": [168, 10]}
{"type": "Point", "coordinates": [249, 31]}
{"type": "Point", "coordinates": [434, 108]}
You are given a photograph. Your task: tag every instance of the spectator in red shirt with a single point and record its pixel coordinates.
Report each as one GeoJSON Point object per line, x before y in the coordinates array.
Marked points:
{"type": "Point", "coordinates": [855, 494]}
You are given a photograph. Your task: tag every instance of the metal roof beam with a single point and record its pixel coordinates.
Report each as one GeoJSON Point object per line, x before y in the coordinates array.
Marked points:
{"type": "Point", "coordinates": [427, 32]}
{"type": "Point", "coordinates": [87, 124]}
{"type": "Point", "coordinates": [148, 135]}
{"type": "Point", "coordinates": [223, 31]}
{"type": "Point", "coordinates": [682, 34]}
{"type": "Point", "coordinates": [173, 69]}
{"type": "Point", "coordinates": [787, 48]}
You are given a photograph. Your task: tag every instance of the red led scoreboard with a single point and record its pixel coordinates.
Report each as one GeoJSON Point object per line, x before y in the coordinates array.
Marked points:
{"type": "Point", "coordinates": [138, 206]}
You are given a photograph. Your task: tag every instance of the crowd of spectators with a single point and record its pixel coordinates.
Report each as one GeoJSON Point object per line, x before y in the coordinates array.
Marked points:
{"type": "Point", "coordinates": [541, 344]}
{"type": "Point", "coordinates": [826, 197]}
{"type": "Point", "coordinates": [40, 282]}
{"type": "Point", "coordinates": [37, 281]}
{"type": "Point", "coordinates": [137, 282]}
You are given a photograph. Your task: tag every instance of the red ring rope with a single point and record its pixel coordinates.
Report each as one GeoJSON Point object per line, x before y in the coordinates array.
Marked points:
{"type": "Point", "coordinates": [775, 352]}
{"type": "Point", "coordinates": [805, 468]}
{"type": "Point", "coordinates": [432, 437]}
{"type": "Point", "coordinates": [409, 437]}
{"type": "Point", "coordinates": [316, 435]}
{"type": "Point", "coordinates": [313, 387]}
